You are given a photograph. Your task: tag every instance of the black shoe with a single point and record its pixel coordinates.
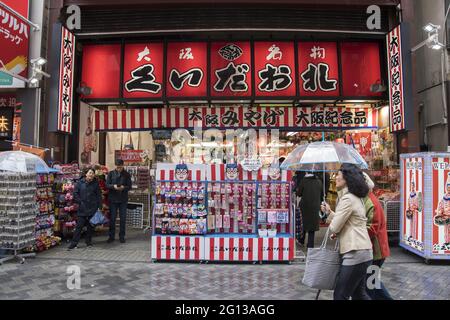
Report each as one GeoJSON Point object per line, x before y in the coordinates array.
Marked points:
{"type": "Point", "coordinates": [72, 246]}
{"type": "Point", "coordinates": [89, 245]}
{"type": "Point", "coordinates": [122, 240]}
{"type": "Point", "coordinates": [110, 240]}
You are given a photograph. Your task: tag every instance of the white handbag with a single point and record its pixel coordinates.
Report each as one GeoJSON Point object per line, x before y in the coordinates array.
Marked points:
{"type": "Point", "coordinates": [322, 266]}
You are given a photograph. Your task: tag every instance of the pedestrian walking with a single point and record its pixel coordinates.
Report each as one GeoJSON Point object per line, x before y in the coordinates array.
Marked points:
{"type": "Point", "coordinates": [348, 225]}
{"type": "Point", "coordinates": [310, 191]}
{"type": "Point", "coordinates": [88, 196]}
{"type": "Point", "coordinates": [118, 183]}
{"type": "Point", "coordinates": [376, 226]}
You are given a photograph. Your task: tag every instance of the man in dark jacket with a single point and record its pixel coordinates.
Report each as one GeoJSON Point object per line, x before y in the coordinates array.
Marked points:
{"type": "Point", "coordinates": [310, 190]}
{"type": "Point", "coordinates": [118, 183]}
{"type": "Point", "coordinates": [88, 196]}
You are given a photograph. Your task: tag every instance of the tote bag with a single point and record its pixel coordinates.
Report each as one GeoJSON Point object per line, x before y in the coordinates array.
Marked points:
{"type": "Point", "coordinates": [322, 266]}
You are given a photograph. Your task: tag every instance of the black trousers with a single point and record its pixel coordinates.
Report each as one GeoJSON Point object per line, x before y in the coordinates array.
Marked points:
{"type": "Point", "coordinates": [351, 282]}
{"type": "Point", "coordinates": [310, 243]}
{"type": "Point", "coordinates": [81, 222]}
{"type": "Point", "coordinates": [113, 207]}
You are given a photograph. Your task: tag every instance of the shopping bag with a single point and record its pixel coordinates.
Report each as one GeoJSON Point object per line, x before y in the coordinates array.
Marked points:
{"type": "Point", "coordinates": [322, 266]}
{"type": "Point", "coordinates": [98, 219]}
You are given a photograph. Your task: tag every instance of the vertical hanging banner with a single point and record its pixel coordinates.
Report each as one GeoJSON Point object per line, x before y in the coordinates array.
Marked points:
{"type": "Point", "coordinates": [413, 215]}
{"type": "Point", "coordinates": [14, 43]}
{"type": "Point", "coordinates": [143, 70]}
{"type": "Point", "coordinates": [231, 74]}
{"type": "Point", "coordinates": [66, 74]}
{"type": "Point", "coordinates": [187, 69]}
{"type": "Point", "coordinates": [318, 69]}
{"type": "Point", "coordinates": [62, 63]}
{"type": "Point", "coordinates": [275, 69]}
{"type": "Point", "coordinates": [399, 65]}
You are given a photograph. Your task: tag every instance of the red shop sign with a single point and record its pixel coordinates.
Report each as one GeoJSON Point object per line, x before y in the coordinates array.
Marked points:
{"type": "Point", "coordinates": [360, 68]}
{"type": "Point", "coordinates": [318, 69]}
{"type": "Point", "coordinates": [14, 39]}
{"type": "Point", "coordinates": [129, 156]}
{"type": "Point", "coordinates": [231, 69]}
{"type": "Point", "coordinates": [275, 69]}
{"type": "Point", "coordinates": [187, 69]}
{"type": "Point", "coordinates": [101, 70]}
{"type": "Point", "coordinates": [8, 100]}
{"type": "Point", "coordinates": [143, 70]}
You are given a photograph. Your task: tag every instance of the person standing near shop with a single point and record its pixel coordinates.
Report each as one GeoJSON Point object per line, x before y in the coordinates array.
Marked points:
{"type": "Point", "coordinates": [118, 183]}
{"type": "Point", "coordinates": [310, 191]}
{"type": "Point", "coordinates": [88, 196]}
{"type": "Point", "coordinates": [376, 226]}
{"type": "Point", "coordinates": [349, 225]}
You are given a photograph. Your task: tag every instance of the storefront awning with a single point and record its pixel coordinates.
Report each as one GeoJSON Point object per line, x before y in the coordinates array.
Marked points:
{"type": "Point", "coordinates": [290, 118]}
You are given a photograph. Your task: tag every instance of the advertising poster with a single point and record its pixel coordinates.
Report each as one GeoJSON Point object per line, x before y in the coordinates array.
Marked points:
{"type": "Point", "coordinates": [413, 215]}
{"type": "Point", "coordinates": [441, 206]}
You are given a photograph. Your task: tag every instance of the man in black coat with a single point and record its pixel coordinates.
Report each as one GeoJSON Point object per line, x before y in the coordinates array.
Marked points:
{"type": "Point", "coordinates": [118, 183]}
{"type": "Point", "coordinates": [88, 196]}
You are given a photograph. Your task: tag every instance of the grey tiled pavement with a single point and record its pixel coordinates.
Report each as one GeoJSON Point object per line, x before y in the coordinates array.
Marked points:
{"type": "Point", "coordinates": [124, 271]}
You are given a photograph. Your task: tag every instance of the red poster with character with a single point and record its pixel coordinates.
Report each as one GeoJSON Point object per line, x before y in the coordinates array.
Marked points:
{"type": "Point", "coordinates": [275, 69]}
{"type": "Point", "coordinates": [231, 74]}
{"type": "Point", "coordinates": [143, 70]}
{"type": "Point", "coordinates": [187, 69]}
{"type": "Point", "coordinates": [318, 69]}
{"type": "Point", "coordinates": [14, 42]}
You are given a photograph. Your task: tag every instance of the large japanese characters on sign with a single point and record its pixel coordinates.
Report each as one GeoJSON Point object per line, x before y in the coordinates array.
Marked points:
{"type": "Point", "coordinates": [8, 100]}
{"type": "Point", "coordinates": [275, 69]}
{"type": "Point", "coordinates": [237, 117]}
{"type": "Point", "coordinates": [441, 206]}
{"type": "Point", "coordinates": [187, 69]}
{"type": "Point", "coordinates": [413, 215]}
{"type": "Point", "coordinates": [318, 69]}
{"type": "Point", "coordinates": [14, 42]}
{"type": "Point", "coordinates": [231, 69]}
{"type": "Point", "coordinates": [66, 74]}
{"type": "Point", "coordinates": [6, 123]}
{"type": "Point", "coordinates": [143, 70]}
{"type": "Point", "coordinates": [395, 75]}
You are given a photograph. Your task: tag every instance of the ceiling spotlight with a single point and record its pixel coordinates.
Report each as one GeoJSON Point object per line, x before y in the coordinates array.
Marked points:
{"type": "Point", "coordinates": [437, 46]}
{"type": "Point", "coordinates": [431, 27]}
{"type": "Point", "coordinates": [39, 61]}
{"type": "Point", "coordinates": [34, 81]}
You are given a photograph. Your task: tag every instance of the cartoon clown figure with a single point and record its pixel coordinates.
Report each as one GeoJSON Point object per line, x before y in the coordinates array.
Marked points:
{"type": "Point", "coordinates": [442, 217]}
{"type": "Point", "coordinates": [231, 171]}
{"type": "Point", "coordinates": [412, 210]}
{"type": "Point", "coordinates": [181, 172]}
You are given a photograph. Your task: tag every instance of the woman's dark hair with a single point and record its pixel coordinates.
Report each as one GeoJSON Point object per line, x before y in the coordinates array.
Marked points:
{"type": "Point", "coordinates": [86, 171]}
{"type": "Point", "coordinates": [356, 183]}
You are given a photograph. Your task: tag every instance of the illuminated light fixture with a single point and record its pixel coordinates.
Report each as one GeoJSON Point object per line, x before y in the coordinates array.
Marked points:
{"type": "Point", "coordinates": [34, 81]}
{"type": "Point", "coordinates": [431, 27]}
{"type": "Point", "coordinates": [432, 41]}
{"type": "Point", "coordinates": [437, 46]}
{"type": "Point", "coordinates": [38, 61]}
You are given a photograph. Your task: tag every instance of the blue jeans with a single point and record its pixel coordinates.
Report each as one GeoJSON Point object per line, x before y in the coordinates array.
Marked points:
{"type": "Point", "coordinates": [382, 293]}
{"type": "Point", "coordinates": [113, 207]}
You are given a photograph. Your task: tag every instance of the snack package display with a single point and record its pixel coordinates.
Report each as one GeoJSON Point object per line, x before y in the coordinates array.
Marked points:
{"type": "Point", "coordinates": [211, 222]}
{"type": "Point", "coordinates": [218, 221]}
{"type": "Point", "coordinates": [201, 226]}
{"type": "Point", "coordinates": [226, 221]}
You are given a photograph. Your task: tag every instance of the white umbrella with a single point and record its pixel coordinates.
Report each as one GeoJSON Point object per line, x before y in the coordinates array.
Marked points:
{"type": "Point", "coordinates": [19, 161]}
{"type": "Point", "coordinates": [322, 156]}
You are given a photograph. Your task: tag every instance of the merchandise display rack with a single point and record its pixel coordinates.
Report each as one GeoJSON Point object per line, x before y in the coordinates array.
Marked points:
{"type": "Point", "coordinates": [18, 211]}
{"type": "Point", "coordinates": [250, 219]}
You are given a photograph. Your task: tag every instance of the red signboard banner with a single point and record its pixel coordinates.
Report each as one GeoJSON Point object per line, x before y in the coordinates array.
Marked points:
{"type": "Point", "coordinates": [275, 69]}
{"type": "Point", "coordinates": [143, 70]}
{"type": "Point", "coordinates": [14, 41]}
{"type": "Point", "coordinates": [66, 74]}
{"type": "Point", "coordinates": [8, 100]}
{"type": "Point", "coordinates": [234, 117]}
{"type": "Point", "coordinates": [101, 70]}
{"type": "Point", "coordinates": [129, 156]}
{"type": "Point", "coordinates": [231, 74]}
{"type": "Point", "coordinates": [318, 69]}
{"type": "Point", "coordinates": [187, 69]}
{"type": "Point", "coordinates": [360, 68]}
{"type": "Point", "coordinates": [395, 75]}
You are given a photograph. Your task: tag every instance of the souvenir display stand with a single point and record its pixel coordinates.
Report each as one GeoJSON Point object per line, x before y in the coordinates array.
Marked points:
{"type": "Point", "coordinates": [18, 212]}
{"type": "Point", "coordinates": [425, 205]}
{"type": "Point", "coordinates": [222, 213]}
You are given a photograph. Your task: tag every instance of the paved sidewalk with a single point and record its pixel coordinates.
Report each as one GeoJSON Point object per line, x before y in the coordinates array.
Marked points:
{"type": "Point", "coordinates": [124, 271]}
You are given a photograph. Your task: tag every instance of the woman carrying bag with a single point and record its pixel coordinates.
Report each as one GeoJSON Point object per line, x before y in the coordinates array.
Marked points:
{"type": "Point", "coordinates": [348, 224]}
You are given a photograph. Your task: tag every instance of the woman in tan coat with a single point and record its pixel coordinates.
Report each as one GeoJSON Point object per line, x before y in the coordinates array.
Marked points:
{"type": "Point", "coordinates": [348, 224]}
